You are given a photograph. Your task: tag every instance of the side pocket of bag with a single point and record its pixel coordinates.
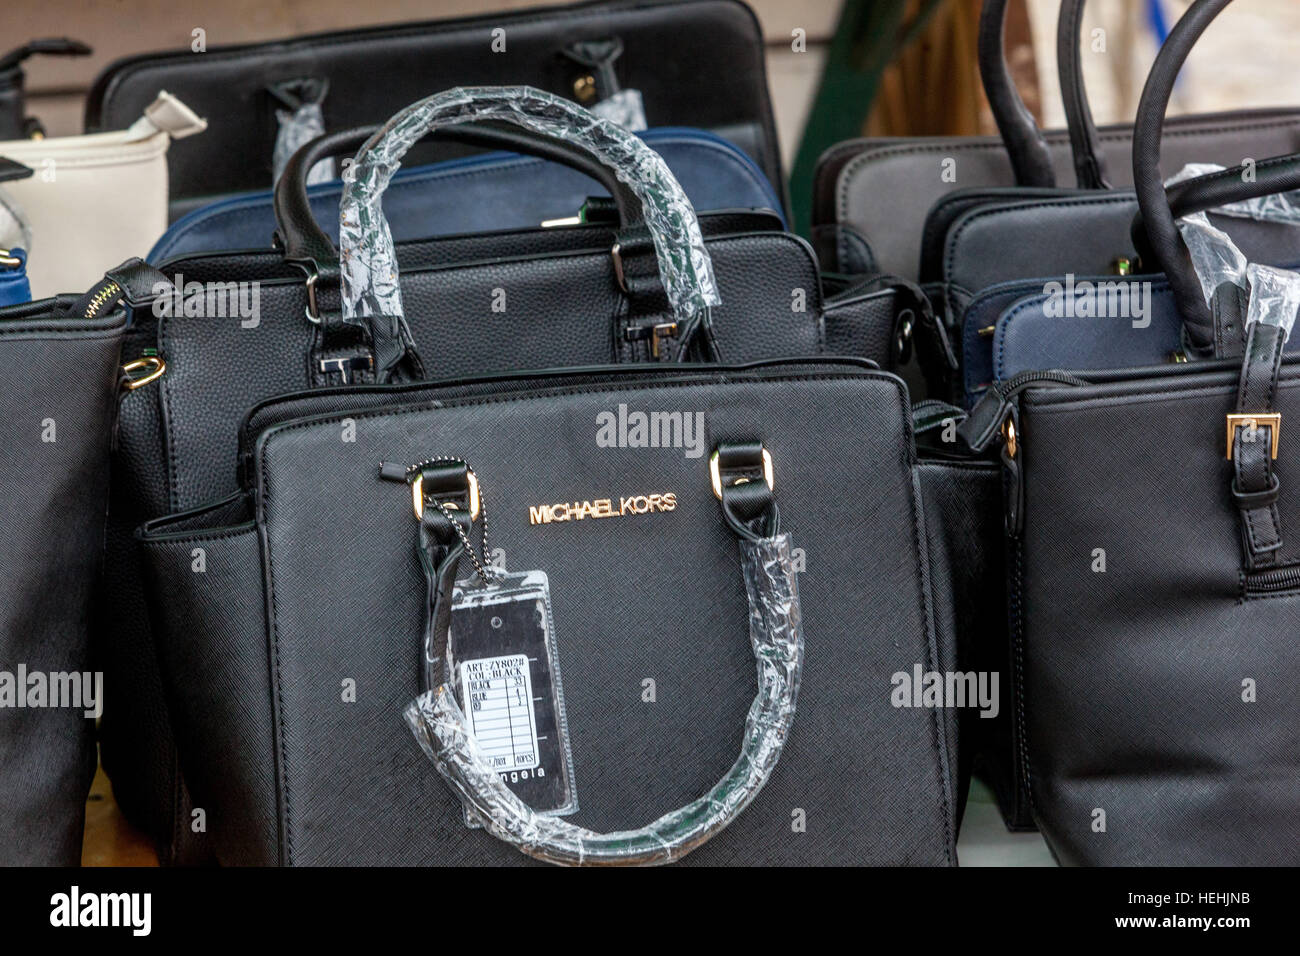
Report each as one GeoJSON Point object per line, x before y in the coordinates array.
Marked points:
{"type": "Point", "coordinates": [964, 528]}
{"type": "Point", "coordinates": [203, 577]}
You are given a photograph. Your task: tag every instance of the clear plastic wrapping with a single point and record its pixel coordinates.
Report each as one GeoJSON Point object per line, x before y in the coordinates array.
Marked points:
{"type": "Point", "coordinates": [368, 260]}
{"type": "Point", "coordinates": [1274, 293]}
{"type": "Point", "coordinates": [297, 128]}
{"type": "Point", "coordinates": [776, 636]}
{"type": "Point", "coordinates": [1217, 258]}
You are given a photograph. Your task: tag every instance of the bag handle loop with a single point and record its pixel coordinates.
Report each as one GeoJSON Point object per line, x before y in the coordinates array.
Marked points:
{"type": "Point", "coordinates": [1030, 159]}
{"type": "Point", "coordinates": [371, 295]}
{"type": "Point", "coordinates": [1167, 246]}
{"type": "Point", "coordinates": [309, 247]}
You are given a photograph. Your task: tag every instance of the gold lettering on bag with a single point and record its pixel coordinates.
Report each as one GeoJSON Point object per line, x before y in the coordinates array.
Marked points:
{"type": "Point", "coordinates": [602, 508]}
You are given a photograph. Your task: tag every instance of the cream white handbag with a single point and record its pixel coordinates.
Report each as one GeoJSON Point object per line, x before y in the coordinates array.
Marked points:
{"type": "Point", "coordinates": [96, 199]}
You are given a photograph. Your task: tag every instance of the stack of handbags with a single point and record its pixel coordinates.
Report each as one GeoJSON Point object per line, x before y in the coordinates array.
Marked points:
{"type": "Point", "coordinates": [554, 298]}
{"type": "Point", "coordinates": [263, 100]}
{"type": "Point", "coordinates": [892, 205]}
{"type": "Point", "coordinates": [1153, 572]}
{"type": "Point", "coordinates": [343, 583]}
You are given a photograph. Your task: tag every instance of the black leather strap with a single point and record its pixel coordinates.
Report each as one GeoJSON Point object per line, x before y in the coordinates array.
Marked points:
{"type": "Point", "coordinates": [748, 504]}
{"type": "Point", "coordinates": [1167, 247]}
{"type": "Point", "coordinates": [1025, 143]}
{"type": "Point", "coordinates": [1255, 485]}
{"type": "Point", "coordinates": [1085, 142]}
{"type": "Point", "coordinates": [442, 545]}
{"type": "Point", "coordinates": [306, 245]}
{"type": "Point", "coordinates": [1240, 183]}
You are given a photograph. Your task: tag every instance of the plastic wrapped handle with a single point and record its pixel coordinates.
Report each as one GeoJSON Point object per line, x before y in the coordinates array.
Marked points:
{"type": "Point", "coordinates": [367, 258]}
{"type": "Point", "coordinates": [1274, 293]}
{"type": "Point", "coordinates": [776, 635]}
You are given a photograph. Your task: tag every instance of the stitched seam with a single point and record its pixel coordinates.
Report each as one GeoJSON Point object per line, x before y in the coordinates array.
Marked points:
{"type": "Point", "coordinates": [169, 439]}
{"type": "Point", "coordinates": [938, 736]}
{"type": "Point", "coordinates": [1189, 391]}
{"type": "Point", "coordinates": [465, 402]}
{"type": "Point", "coordinates": [282, 771]}
{"type": "Point", "coordinates": [163, 540]}
{"type": "Point", "coordinates": [465, 25]}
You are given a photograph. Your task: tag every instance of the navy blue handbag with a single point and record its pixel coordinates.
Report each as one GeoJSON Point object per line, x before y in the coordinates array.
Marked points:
{"type": "Point", "coordinates": [483, 193]}
{"type": "Point", "coordinates": [14, 288]}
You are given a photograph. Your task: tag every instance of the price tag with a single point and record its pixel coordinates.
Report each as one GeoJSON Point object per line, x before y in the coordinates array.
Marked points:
{"type": "Point", "coordinates": [502, 652]}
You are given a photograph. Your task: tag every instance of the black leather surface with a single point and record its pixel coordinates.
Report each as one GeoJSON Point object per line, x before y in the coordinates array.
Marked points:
{"type": "Point", "coordinates": [56, 414]}
{"type": "Point", "coordinates": [874, 780]}
{"type": "Point", "coordinates": [715, 79]}
{"type": "Point", "coordinates": [1133, 678]}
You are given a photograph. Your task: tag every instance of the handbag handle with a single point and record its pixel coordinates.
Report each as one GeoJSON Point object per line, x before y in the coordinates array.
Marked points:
{"type": "Point", "coordinates": [1030, 159]}
{"type": "Point", "coordinates": [1085, 141]}
{"type": "Point", "coordinates": [308, 246]}
{"type": "Point", "coordinates": [1166, 243]}
{"type": "Point", "coordinates": [1209, 191]}
{"type": "Point", "coordinates": [371, 295]}
{"type": "Point", "coordinates": [742, 482]}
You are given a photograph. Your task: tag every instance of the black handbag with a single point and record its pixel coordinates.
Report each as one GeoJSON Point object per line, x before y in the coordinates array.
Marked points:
{"type": "Point", "coordinates": [595, 53]}
{"type": "Point", "coordinates": [650, 619]}
{"type": "Point", "coordinates": [884, 204]}
{"type": "Point", "coordinates": [574, 296]}
{"type": "Point", "coordinates": [57, 414]}
{"type": "Point", "coordinates": [1153, 582]}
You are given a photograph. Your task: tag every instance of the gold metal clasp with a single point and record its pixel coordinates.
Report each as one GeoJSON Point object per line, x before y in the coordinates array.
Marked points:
{"type": "Point", "coordinates": [9, 260]}
{"type": "Point", "coordinates": [417, 497]}
{"type": "Point", "coordinates": [1254, 421]}
{"type": "Point", "coordinates": [658, 332]}
{"type": "Point", "coordinates": [1010, 437]}
{"type": "Point", "coordinates": [715, 475]}
{"type": "Point", "coordinates": [155, 365]}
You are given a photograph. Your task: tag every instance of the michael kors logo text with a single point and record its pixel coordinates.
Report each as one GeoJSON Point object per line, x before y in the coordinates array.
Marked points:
{"type": "Point", "coordinates": [602, 508]}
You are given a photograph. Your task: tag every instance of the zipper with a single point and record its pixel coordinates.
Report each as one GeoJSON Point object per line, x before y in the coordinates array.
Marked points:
{"type": "Point", "coordinates": [107, 293]}
{"type": "Point", "coordinates": [1271, 582]}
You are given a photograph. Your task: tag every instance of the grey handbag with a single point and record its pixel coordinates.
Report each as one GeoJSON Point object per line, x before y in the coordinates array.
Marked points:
{"type": "Point", "coordinates": [872, 196]}
{"type": "Point", "coordinates": [57, 413]}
